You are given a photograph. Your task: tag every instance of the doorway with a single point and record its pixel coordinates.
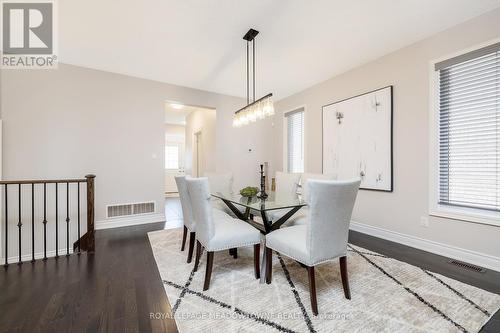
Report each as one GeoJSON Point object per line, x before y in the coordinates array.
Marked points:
{"type": "Point", "coordinates": [189, 142]}
{"type": "Point", "coordinates": [175, 141]}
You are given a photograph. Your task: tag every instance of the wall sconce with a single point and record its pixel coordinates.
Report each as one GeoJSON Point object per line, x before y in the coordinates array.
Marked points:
{"type": "Point", "coordinates": [339, 116]}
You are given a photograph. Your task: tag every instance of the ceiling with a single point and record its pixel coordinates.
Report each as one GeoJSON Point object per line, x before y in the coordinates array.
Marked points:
{"type": "Point", "coordinates": [198, 43]}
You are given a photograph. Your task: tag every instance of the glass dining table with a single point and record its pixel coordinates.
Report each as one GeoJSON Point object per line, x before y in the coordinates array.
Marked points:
{"type": "Point", "coordinates": [246, 208]}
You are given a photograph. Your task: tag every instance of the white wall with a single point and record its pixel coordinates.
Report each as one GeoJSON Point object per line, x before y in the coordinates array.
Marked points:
{"type": "Point", "coordinates": [204, 121]}
{"type": "Point", "coordinates": [408, 70]}
{"type": "Point", "coordinates": [73, 121]}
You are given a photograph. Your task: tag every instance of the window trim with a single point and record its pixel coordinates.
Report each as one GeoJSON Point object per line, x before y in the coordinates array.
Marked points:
{"type": "Point", "coordinates": [285, 136]}
{"type": "Point", "coordinates": [435, 209]}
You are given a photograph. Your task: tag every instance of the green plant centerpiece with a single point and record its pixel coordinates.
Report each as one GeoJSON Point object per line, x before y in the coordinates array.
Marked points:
{"type": "Point", "coordinates": [249, 191]}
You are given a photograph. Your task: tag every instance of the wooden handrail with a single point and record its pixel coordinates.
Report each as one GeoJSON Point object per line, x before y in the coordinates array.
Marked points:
{"type": "Point", "coordinates": [42, 181]}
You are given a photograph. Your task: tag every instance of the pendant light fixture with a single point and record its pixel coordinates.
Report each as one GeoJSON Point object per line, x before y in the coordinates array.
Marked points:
{"type": "Point", "coordinates": [257, 109]}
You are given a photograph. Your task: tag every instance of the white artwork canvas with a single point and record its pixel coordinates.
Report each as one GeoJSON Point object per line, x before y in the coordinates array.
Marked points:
{"type": "Point", "coordinates": [357, 139]}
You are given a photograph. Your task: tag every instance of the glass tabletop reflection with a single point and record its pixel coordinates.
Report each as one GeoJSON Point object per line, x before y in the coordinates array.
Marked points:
{"type": "Point", "coordinates": [272, 202]}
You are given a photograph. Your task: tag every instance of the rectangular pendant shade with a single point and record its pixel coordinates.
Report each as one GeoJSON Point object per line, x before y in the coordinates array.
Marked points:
{"type": "Point", "coordinates": [257, 110]}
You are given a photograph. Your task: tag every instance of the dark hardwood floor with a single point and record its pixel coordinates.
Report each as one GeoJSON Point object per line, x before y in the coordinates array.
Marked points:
{"type": "Point", "coordinates": [118, 288]}
{"type": "Point", "coordinates": [114, 290]}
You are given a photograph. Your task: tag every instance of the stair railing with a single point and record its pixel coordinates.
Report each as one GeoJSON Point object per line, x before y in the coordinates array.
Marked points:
{"type": "Point", "coordinates": [84, 242]}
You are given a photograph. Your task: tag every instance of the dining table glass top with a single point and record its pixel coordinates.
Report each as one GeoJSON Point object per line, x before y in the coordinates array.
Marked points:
{"type": "Point", "coordinates": [272, 202]}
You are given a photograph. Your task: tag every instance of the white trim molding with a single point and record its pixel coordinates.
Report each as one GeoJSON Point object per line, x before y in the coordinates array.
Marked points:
{"type": "Point", "coordinates": [129, 221]}
{"type": "Point", "coordinates": [38, 255]}
{"type": "Point", "coordinates": [476, 258]}
{"type": "Point", "coordinates": [435, 209]}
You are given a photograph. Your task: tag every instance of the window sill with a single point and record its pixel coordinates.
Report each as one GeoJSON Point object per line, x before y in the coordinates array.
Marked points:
{"type": "Point", "coordinates": [467, 215]}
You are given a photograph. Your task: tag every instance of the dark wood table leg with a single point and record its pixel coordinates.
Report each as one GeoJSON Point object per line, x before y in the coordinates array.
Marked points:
{"type": "Point", "coordinates": [284, 218]}
{"type": "Point", "coordinates": [235, 210]}
{"type": "Point", "coordinates": [267, 228]}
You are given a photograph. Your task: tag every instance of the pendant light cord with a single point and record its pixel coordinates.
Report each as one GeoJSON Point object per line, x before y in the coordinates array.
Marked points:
{"type": "Point", "coordinates": [253, 60]}
{"type": "Point", "coordinates": [248, 75]}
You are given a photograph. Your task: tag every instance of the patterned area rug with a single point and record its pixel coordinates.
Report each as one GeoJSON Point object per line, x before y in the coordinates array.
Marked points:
{"type": "Point", "coordinates": [387, 295]}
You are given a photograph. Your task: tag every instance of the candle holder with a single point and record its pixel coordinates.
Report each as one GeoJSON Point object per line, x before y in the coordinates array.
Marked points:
{"type": "Point", "coordinates": [263, 195]}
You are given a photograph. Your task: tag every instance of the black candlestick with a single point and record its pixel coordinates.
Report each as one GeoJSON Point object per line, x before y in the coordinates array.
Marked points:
{"type": "Point", "coordinates": [263, 194]}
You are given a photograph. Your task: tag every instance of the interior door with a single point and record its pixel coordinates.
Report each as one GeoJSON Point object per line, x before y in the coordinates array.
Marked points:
{"type": "Point", "coordinates": [174, 165]}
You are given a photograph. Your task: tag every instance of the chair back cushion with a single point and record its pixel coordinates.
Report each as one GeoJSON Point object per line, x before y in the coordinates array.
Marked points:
{"type": "Point", "coordinates": [330, 206]}
{"type": "Point", "coordinates": [220, 182]}
{"type": "Point", "coordinates": [199, 192]}
{"type": "Point", "coordinates": [287, 183]}
{"type": "Point", "coordinates": [187, 209]}
{"type": "Point", "coordinates": [305, 177]}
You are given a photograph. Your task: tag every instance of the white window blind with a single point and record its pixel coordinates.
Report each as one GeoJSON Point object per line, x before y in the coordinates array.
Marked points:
{"type": "Point", "coordinates": [295, 140]}
{"type": "Point", "coordinates": [469, 128]}
{"type": "Point", "coordinates": [172, 157]}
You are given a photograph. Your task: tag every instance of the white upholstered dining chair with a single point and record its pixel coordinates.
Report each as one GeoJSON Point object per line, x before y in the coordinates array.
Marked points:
{"type": "Point", "coordinates": [188, 217]}
{"type": "Point", "coordinates": [301, 216]}
{"type": "Point", "coordinates": [286, 187]}
{"type": "Point", "coordinates": [287, 183]}
{"type": "Point", "coordinates": [217, 232]}
{"type": "Point", "coordinates": [323, 237]}
{"type": "Point", "coordinates": [302, 179]}
{"type": "Point", "coordinates": [222, 182]}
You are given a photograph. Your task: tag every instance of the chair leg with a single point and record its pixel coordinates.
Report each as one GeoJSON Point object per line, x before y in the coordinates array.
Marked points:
{"type": "Point", "coordinates": [208, 272]}
{"type": "Point", "coordinates": [192, 236]}
{"type": "Point", "coordinates": [312, 290]}
{"type": "Point", "coordinates": [269, 265]}
{"type": "Point", "coordinates": [198, 254]}
{"type": "Point", "coordinates": [256, 260]}
{"type": "Point", "coordinates": [345, 278]}
{"type": "Point", "coordinates": [233, 252]}
{"type": "Point", "coordinates": [184, 234]}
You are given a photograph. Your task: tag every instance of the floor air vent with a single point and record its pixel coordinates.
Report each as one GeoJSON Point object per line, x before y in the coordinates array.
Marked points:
{"type": "Point", "coordinates": [130, 209]}
{"type": "Point", "coordinates": [467, 266]}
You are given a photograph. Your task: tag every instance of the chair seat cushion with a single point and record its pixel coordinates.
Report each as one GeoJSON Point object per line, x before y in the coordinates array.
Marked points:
{"type": "Point", "coordinates": [230, 233]}
{"type": "Point", "coordinates": [291, 242]}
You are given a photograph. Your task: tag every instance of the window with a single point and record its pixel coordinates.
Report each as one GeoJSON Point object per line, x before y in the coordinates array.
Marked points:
{"type": "Point", "coordinates": [469, 130]}
{"type": "Point", "coordinates": [172, 157]}
{"type": "Point", "coordinates": [295, 140]}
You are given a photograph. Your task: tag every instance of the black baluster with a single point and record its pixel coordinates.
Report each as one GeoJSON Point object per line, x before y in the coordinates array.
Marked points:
{"type": "Point", "coordinates": [78, 219]}
{"type": "Point", "coordinates": [67, 219]}
{"type": "Point", "coordinates": [32, 222]}
{"type": "Point", "coordinates": [57, 221]}
{"type": "Point", "coordinates": [19, 225]}
{"type": "Point", "coordinates": [44, 221]}
{"type": "Point", "coordinates": [6, 226]}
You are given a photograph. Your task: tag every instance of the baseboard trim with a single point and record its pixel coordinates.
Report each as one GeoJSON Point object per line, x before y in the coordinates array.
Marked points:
{"type": "Point", "coordinates": [129, 221]}
{"type": "Point", "coordinates": [476, 258]}
{"type": "Point", "coordinates": [38, 255]}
